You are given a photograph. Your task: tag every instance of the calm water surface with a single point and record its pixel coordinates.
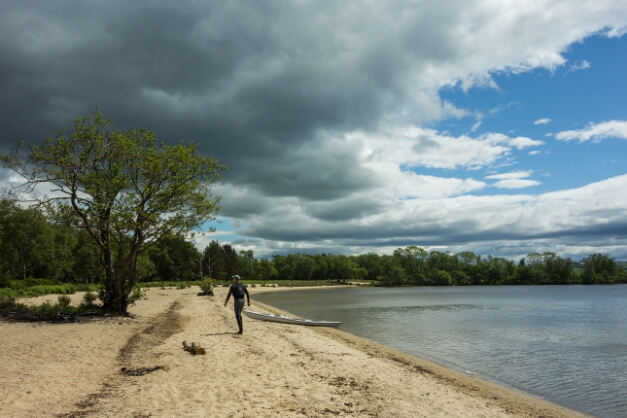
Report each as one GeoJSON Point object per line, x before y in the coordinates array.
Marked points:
{"type": "Point", "coordinates": [566, 344]}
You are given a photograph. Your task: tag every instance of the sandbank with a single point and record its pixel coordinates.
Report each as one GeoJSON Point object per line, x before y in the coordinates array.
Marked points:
{"type": "Point", "coordinates": [136, 367]}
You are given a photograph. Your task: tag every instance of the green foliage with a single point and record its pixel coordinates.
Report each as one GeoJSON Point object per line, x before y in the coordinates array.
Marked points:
{"type": "Point", "coordinates": [172, 258]}
{"type": "Point", "coordinates": [392, 274]}
{"type": "Point", "coordinates": [524, 275]}
{"type": "Point", "coordinates": [207, 286]}
{"type": "Point", "coordinates": [138, 293]}
{"type": "Point", "coordinates": [460, 278]}
{"type": "Point", "coordinates": [439, 278]}
{"type": "Point", "coordinates": [600, 269]}
{"type": "Point", "coordinates": [64, 300]}
{"type": "Point", "coordinates": [265, 270]}
{"type": "Point", "coordinates": [4, 280]}
{"type": "Point", "coordinates": [90, 297]}
{"type": "Point", "coordinates": [6, 301]}
{"type": "Point", "coordinates": [18, 290]}
{"type": "Point", "coordinates": [26, 242]}
{"type": "Point", "coordinates": [412, 260]}
{"type": "Point", "coordinates": [126, 189]}
{"type": "Point", "coordinates": [48, 310]}
{"type": "Point", "coordinates": [35, 244]}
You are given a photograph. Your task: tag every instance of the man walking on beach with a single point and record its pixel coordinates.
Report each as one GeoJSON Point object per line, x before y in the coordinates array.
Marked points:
{"type": "Point", "coordinates": [238, 291]}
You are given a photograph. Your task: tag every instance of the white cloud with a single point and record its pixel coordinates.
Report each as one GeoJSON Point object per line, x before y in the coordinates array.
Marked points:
{"type": "Point", "coordinates": [521, 142]}
{"type": "Point", "coordinates": [475, 126]}
{"type": "Point", "coordinates": [542, 121]}
{"type": "Point", "coordinates": [572, 219]}
{"type": "Point", "coordinates": [509, 176]}
{"type": "Point", "coordinates": [536, 152]}
{"type": "Point", "coordinates": [515, 184]}
{"type": "Point", "coordinates": [513, 180]}
{"type": "Point", "coordinates": [420, 147]}
{"type": "Point", "coordinates": [580, 65]}
{"type": "Point", "coordinates": [596, 132]}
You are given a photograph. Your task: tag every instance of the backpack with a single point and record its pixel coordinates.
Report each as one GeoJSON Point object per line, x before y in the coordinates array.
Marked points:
{"type": "Point", "coordinates": [239, 291]}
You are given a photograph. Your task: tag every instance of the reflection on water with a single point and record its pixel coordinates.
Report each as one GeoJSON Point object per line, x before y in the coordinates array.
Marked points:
{"type": "Point", "coordinates": [567, 344]}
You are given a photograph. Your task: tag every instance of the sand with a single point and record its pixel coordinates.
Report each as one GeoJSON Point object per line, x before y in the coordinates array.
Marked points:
{"type": "Point", "coordinates": [272, 370]}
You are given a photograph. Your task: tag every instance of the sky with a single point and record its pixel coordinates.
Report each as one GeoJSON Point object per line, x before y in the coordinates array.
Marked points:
{"type": "Point", "coordinates": [498, 127]}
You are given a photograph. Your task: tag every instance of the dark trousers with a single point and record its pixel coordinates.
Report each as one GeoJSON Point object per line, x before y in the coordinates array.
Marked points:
{"type": "Point", "coordinates": [238, 306]}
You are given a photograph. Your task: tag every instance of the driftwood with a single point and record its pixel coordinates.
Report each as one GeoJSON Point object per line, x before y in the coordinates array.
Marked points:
{"type": "Point", "coordinates": [194, 349]}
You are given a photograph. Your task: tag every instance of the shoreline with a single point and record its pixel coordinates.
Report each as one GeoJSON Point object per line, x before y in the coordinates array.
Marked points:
{"type": "Point", "coordinates": [472, 384]}
{"type": "Point", "coordinates": [272, 370]}
{"type": "Point", "coordinates": [451, 367]}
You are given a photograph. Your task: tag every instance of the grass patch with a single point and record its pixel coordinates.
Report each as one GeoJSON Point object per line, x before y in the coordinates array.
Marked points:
{"type": "Point", "coordinates": [90, 297]}
{"type": "Point", "coordinates": [39, 287]}
{"type": "Point", "coordinates": [64, 300]}
{"type": "Point", "coordinates": [173, 283]}
{"type": "Point", "coordinates": [47, 311]}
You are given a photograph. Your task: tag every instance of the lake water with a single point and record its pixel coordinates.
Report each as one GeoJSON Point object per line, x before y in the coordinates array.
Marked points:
{"type": "Point", "coordinates": [566, 344]}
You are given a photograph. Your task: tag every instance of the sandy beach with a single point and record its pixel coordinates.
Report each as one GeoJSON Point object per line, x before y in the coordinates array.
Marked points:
{"type": "Point", "coordinates": [136, 367]}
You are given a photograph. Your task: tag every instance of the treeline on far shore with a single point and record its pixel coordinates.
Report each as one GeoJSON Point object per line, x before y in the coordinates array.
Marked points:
{"type": "Point", "coordinates": [33, 247]}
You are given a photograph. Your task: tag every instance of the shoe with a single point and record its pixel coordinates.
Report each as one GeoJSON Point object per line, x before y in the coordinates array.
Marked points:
{"type": "Point", "coordinates": [240, 332]}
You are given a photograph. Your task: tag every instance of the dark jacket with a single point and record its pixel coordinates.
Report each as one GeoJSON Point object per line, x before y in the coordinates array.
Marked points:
{"type": "Point", "coordinates": [233, 291]}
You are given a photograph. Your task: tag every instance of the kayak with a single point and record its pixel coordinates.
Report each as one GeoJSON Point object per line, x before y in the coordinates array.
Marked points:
{"type": "Point", "coordinates": [281, 319]}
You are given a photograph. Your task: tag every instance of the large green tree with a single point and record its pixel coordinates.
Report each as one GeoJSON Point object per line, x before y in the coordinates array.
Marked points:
{"type": "Point", "coordinates": [26, 242]}
{"type": "Point", "coordinates": [126, 189]}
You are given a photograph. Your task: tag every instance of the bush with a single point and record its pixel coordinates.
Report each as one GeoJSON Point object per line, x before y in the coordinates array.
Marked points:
{"type": "Point", "coordinates": [45, 308]}
{"type": "Point", "coordinates": [6, 301]}
{"type": "Point", "coordinates": [40, 290]}
{"type": "Point", "coordinates": [136, 294]}
{"type": "Point", "coordinates": [90, 298]}
{"type": "Point", "coordinates": [440, 278]}
{"type": "Point", "coordinates": [83, 287]}
{"type": "Point", "coordinates": [207, 286]}
{"type": "Point", "coordinates": [64, 300]}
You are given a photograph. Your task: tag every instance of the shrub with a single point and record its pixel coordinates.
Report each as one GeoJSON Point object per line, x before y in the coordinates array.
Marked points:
{"type": "Point", "coordinates": [90, 298]}
{"type": "Point", "coordinates": [40, 290]}
{"type": "Point", "coordinates": [136, 294]}
{"type": "Point", "coordinates": [84, 287]}
{"type": "Point", "coordinates": [6, 301]}
{"type": "Point", "coordinates": [440, 278]}
{"type": "Point", "coordinates": [207, 286]}
{"type": "Point", "coordinates": [64, 300]}
{"type": "Point", "coordinates": [45, 308]}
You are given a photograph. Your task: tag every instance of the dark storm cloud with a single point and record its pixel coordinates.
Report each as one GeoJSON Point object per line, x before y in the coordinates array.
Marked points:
{"type": "Point", "coordinates": [272, 89]}
{"type": "Point", "coordinates": [256, 69]}
{"type": "Point", "coordinates": [431, 235]}
{"type": "Point", "coordinates": [249, 82]}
